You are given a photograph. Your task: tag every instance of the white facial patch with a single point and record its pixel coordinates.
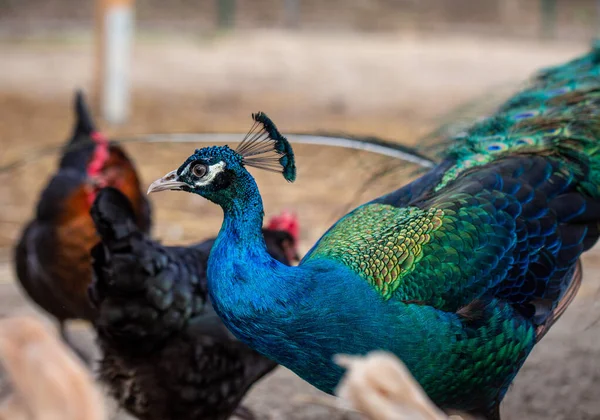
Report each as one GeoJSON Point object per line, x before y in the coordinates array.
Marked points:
{"type": "Point", "coordinates": [213, 171]}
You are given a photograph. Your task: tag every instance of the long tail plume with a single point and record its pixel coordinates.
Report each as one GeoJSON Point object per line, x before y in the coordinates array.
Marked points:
{"type": "Point", "coordinates": [366, 143]}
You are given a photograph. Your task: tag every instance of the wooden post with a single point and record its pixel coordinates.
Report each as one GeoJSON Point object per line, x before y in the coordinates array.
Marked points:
{"type": "Point", "coordinates": [114, 33]}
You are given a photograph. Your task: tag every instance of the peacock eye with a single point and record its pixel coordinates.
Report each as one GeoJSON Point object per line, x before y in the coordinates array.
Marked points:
{"type": "Point", "coordinates": [496, 147]}
{"type": "Point", "coordinates": [199, 170]}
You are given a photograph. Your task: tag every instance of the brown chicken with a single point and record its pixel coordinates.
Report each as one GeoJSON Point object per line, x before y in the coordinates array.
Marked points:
{"type": "Point", "coordinates": [52, 258]}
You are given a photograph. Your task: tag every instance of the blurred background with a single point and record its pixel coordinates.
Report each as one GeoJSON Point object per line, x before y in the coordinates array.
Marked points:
{"type": "Point", "coordinates": [404, 70]}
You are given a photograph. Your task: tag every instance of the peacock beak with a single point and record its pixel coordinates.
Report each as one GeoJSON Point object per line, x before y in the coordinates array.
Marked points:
{"type": "Point", "coordinates": [168, 182]}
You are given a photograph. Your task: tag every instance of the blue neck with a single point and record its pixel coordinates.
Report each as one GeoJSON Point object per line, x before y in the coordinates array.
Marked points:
{"type": "Point", "coordinates": [242, 223]}
{"type": "Point", "coordinates": [242, 276]}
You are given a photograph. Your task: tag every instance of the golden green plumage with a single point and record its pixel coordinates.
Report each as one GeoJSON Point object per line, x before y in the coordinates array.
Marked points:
{"type": "Point", "coordinates": [382, 243]}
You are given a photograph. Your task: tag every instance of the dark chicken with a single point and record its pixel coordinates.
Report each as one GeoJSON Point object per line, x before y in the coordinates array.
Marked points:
{"type": "Point", "coordinates": [167, 355]}
{"type": "Point", "coordinates": [52, 258]}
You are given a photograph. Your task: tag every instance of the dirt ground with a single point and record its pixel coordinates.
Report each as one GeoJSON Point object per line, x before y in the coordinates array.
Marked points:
{"type": "Point", "coordinates": [392, 86]}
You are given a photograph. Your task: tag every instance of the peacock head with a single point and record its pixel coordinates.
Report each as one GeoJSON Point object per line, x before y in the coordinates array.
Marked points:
{"type": "Point", "coordinates": [217, 173]}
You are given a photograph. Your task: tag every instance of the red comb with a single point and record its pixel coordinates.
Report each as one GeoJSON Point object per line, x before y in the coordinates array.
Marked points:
{"type": "Point", "coordinates": [100, 153]}
{"type": "Point", "coordinates": [286, 221]}
{"type": "Point", "coordinates": [98, 137]}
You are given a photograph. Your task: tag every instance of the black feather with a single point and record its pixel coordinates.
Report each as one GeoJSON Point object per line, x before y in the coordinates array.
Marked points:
{"type": "Point", "coordinates": [84, 124]}
{"type": "Point", "coordinates": [80, 147]}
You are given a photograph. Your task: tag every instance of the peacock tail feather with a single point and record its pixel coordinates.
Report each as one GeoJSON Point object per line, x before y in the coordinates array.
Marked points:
{"type": "Point", "coordinates": [557, 115]}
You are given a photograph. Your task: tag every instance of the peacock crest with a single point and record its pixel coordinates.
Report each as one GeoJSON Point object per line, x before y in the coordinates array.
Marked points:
{"type": "Point", "coordinates": [265, 148]}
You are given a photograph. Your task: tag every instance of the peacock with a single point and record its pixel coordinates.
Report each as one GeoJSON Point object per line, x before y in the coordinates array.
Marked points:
{"type": "Point", "coordinates": [460, 273]}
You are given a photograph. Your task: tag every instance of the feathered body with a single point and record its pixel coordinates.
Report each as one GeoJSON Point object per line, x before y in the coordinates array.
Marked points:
{"type": "Point", "coordinates": [52, 258]}
{"type": "Point", "coordinates": [166, 354]}
{"type": "Point", "coordinates": [459, 273]}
